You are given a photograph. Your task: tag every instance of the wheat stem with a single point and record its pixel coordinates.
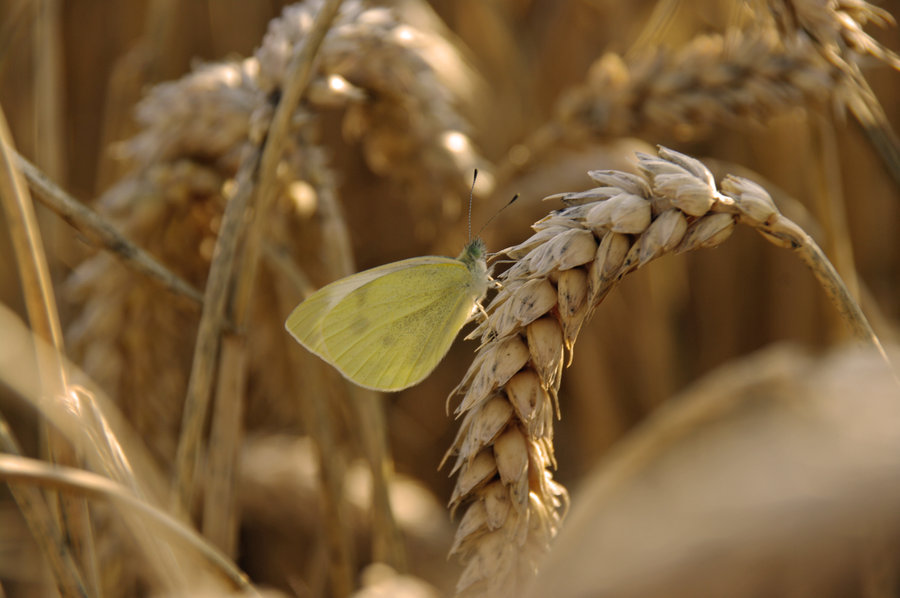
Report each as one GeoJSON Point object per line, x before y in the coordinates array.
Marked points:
{"type": "Point", "coordinates": [254, 176]}
{"type": "Point", "coordinates": [226, 417]}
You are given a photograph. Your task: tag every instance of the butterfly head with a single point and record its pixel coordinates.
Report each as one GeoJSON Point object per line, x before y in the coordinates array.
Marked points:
{"type": "Point", "coordinates": [474, 256]}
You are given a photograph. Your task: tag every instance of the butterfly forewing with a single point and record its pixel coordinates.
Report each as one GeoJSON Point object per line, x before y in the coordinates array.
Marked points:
{"type": "Point", "coordinates": [305, 322]}
{"type": "Point", "coordinates": [386, 341]}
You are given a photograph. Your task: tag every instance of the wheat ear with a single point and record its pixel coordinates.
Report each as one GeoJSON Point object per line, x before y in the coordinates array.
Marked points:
{"type": "Point", "coordinates": [715, 79]}
{"type": "Point", "coordinates": [184, 162]}
{"type": "Point", "coordinates": [504, 447]}
{"type": "Point", "coordinates": [731, 79]}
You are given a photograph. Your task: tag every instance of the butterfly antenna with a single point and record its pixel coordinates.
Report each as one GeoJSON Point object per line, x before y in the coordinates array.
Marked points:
{"type": "Point", "coordinates": [471, 193]}
{"type": "Point", "coordinates": [489, 220]}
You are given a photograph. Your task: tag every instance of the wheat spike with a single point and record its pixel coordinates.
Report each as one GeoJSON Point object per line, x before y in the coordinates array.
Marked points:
{"type": "Point", "coordinates": [504, 447]}
{"type": "Point", "coordinates": [836, 27]}
{"type": "Point", "coordinates": [747, 75]}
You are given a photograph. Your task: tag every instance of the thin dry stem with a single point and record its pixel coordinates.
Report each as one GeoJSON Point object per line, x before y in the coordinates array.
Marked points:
{"type": "Point", "coordinates": [44, 527]}
{"type": "Point", "coordinates": [504, 448]}
{"type": "Point", "coordinates": [831, 205]}
{"type": "Point", "coordinates": [220, 517]}
{"type": "Point", "coordinates": [258, 171]}
{"type": "Point", "coordinates": [297, 78]}
{"type": "Point", "coordinates": [785, 233]}
{"type": "Point", "coordinates": [206, 350]}
{"type": "Point", "coordinates": [14, 469]}
{"type": "Point", "coordinates": [33, 270]}
{"type": "Point", "coordinates": [99, 232]}
{"type": "Point", "coordinates": [48, 93]}
{"type": "Point", "coordinates": [41, 305]}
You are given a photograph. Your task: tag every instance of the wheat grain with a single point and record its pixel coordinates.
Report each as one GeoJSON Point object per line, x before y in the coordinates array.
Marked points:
{"type": "Point", "coordinates": [504, 448]}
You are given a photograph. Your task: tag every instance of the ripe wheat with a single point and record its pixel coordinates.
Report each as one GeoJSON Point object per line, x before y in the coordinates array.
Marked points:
{"type": "Point", "coordinates": [577, 255]}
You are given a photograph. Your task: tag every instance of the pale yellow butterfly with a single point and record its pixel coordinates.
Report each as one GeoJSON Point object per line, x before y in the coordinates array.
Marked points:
{"type": "Point", "coordinates": [387, 328]}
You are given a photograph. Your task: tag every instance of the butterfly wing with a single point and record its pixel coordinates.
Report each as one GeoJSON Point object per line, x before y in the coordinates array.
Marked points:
{"type": "Point", "coordinates": [387, 328]}
{"type": "Point", "coordinates": [305, 322]}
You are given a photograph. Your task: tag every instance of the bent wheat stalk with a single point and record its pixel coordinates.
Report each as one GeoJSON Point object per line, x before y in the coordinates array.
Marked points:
{"type": "Point", "coordinates": [577, 255]}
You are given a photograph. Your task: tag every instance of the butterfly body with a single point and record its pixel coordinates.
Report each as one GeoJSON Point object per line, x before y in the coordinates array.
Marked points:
{"type": "Point", "coordinates": [388, 327]}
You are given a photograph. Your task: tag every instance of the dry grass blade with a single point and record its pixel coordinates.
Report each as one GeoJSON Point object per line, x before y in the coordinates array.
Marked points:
{"type": "Point", "coordinates": [21, 470]}
{"type": "Point", "coordinates": [106, 444]}
{"type": "Point", "coordinates": [504, 447]}
{"type": "Point", "coordinates": [220, 517]}
{"type": "Point", "coordinates": [44, 528]}
{"type": "Point", "coordinates": [33, 270]}
{"type": "Point", "coordinates": [39, 510]}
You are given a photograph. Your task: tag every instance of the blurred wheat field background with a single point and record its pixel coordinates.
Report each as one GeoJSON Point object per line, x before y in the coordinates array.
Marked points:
{"type": "Point", "coordinates": [719, 432]}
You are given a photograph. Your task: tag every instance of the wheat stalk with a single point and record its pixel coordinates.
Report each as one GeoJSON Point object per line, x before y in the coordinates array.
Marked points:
{"type": "Point", "coordinates": [504, 447]}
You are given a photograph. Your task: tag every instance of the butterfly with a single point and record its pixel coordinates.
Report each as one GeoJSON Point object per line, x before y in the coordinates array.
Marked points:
{"type": "Point", "coordinates": [387, 328]}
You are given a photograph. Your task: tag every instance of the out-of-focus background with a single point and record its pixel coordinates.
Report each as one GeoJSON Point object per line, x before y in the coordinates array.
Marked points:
{"type": "Point", "coordinates": [72, 73]}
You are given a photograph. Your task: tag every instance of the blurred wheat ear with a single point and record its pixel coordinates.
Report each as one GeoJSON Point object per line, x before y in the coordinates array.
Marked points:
{"type": "Point", "coordinates": [504, 447]}
{"type": "Point", "coordinates": [181, 202]}
{"type": "Point", "coordinates": [790, 53]}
